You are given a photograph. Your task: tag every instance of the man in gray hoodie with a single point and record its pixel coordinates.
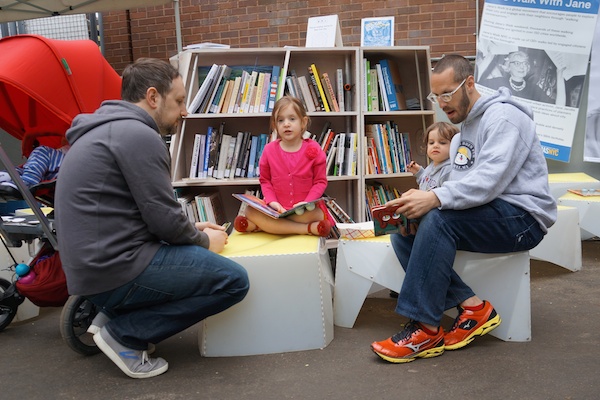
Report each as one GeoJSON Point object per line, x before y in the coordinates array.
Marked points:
{"type": "Point", "coordinates": [496, 200]}
{"type": "Point", "coordinates": [125, 242]}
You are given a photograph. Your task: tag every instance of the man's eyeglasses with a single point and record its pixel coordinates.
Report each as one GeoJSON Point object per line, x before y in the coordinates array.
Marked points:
{"type": "Point", "coordinates": [520, 63]}
{"type": "Point", "coordinates": [446, 97]}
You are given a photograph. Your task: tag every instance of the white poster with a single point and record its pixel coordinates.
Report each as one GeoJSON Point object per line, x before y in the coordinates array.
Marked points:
{"type": "Point", "coordinates": [539, 49]}
{"type": "Point", "coordinates": [591, 150]}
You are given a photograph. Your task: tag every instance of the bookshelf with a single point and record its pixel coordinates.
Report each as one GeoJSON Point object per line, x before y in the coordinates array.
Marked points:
{"type": "Point", "coordinates": [346, 189]}
{"type": "Point", "coordinates": [414, 68]}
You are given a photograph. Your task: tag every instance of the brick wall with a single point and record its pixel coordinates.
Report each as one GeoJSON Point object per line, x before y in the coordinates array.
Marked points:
{"type": "Point", "coordinates": [446, 26]}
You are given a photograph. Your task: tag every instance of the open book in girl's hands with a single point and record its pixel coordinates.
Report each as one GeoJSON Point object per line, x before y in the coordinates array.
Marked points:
{"type": "Point", "coordinates": [260, 205]}
{"type": "Point", "coordinates": [386, 220]}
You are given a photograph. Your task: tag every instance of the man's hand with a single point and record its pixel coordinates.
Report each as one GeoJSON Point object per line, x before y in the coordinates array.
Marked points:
{"type": "Point", "coordinates": [217, 238]}
{"type": "Point", "coordinates": [415, 203]}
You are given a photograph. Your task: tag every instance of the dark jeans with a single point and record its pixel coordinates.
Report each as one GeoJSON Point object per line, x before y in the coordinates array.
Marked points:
{"type": "Point", "coordinates": [431, 285]}
{"type": "Point", "coordinates": [182, 286]}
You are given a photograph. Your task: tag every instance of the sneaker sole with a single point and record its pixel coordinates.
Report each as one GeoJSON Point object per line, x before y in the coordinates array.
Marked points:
{"type": "Point", "coordinates": [429, 353]}
{"type": "Point", "coordinates": [106, 349]}
{"type": "Point", "coordinates": [482, 330]}
{"type": "Point", "coordinates": [93, 329]}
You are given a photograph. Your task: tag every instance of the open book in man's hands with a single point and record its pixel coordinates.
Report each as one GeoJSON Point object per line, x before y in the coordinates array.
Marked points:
{"type": "Point", "coordinates": [386, 220]}
{"type": "Point", "coordinates": [260, 205]}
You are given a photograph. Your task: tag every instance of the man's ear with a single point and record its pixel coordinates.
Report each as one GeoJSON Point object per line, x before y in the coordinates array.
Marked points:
{"type": "Point", "coordinates": [152, 97]}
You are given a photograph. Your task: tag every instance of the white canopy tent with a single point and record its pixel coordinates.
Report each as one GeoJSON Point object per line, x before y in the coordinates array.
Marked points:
{"type": "Point", "coordinates": [18, 10]}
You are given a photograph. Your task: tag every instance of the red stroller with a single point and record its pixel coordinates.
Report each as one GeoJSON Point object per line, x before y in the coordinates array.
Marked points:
{"type": "Point", "coordinates": [44, 84]}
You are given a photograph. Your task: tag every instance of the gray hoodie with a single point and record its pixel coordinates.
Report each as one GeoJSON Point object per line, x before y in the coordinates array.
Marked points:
{"type": "Point", "coordinates": [114, 200]}
{"type": "Point", "coordinates": [498, 155]}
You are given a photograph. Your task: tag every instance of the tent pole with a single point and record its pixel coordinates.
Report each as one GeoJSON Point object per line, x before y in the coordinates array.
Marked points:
{"type": "Point", "coordinates": [177, 26]}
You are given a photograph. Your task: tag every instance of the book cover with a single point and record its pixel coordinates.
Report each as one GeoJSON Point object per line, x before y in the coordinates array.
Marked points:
{"type": "Point", "coordinates": [201, 209]}
{"type": "Point", "coordinates": [252, 158]}
{"type": "Point", "coordinates": [260, 205]}
{"type": "Point", "coordinates": [242, 158]}
{"type": "Point", "coordinates": [214, 151]}
{"type": "Point", "coordinates": [374, 89]}
{"type": "Point", "coordinates": [274, 87]}
{"type": "Point", "coordinates": [382, 91]}
{"type": "Point", "coordinates": [204, 87]}
{"type": "Point", "coordinates": [225, 98]}
{"type": "Point", "coordinates": [340, 89]}
{"type": "Point", "coordinates": [377, 31]}
{"type": "Point", "coordinates": [240, 94]}
{"type": "Point", "coordinates": [320, 89]}
{"type": "Point", "coordinates": [234, 94]}
{"type": "Point", "coordinates": [393, 84]}
{"type": "Point", "coordinates": [308, 99]}
{"type": "Point", "coordinates": [260, 82]}
{"type": "Point", "coordinates": [239, 139]}
{"type": "Point", "coordinates": [207, 101]}
{"type": "Point", "coordinates": [218, 90]}
{"type": "Point", "coordinates": [206, 154]}
{"type": "Point", "coordinates": [263, 139]}
{"type": "Point", "coordinates": [313, 81]}
{"type": "Point", "coordinates": [246, 161]}
{"type": "Point", "coordinates": [323, 134]}
{"type": "Point", "coordinates": [223, 155]}
{"type": "Point", "coordinates": [230, 155]}
{"type": "Point", "coordinates": [264, 94]}
{"type": "Point", "coordinates": [330, 93]}
{"type": "Point", "coordinates": [341, 154]}
{"type": "Point", "coordinates": [195, 155]}
{"type": "Point", "coordinates": [312, 87]}
{"type": "Point", "coordinates": [387, 221]}
{"type": "Point", "coordinates": [338, 212]}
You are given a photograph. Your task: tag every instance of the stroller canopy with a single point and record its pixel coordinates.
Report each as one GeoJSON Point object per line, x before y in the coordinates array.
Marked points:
{"type": "Point", "coordinates": [45, 83]}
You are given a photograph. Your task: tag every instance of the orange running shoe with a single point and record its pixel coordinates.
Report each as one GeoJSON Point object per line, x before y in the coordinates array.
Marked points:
{"type": "Point", "coordinates": [469, 324]}
{"type": "Point", "coordinates": [409, 344]}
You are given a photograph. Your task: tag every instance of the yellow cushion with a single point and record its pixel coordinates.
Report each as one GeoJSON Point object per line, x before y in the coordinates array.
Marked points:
{"type": "Point", "coordinates": [261, 244]}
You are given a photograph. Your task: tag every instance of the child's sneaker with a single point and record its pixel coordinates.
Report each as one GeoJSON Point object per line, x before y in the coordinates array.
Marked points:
{"type": "Point", "coordinates": [411, 343]}
{"type": "Point", "coordinates": [469, 324]}
{"type": "Point", "coordinates": [134, 363]}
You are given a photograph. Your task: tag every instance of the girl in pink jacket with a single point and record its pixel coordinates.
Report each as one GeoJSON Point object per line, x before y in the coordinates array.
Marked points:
{"type": "Point", "coordinates": [292, 172]}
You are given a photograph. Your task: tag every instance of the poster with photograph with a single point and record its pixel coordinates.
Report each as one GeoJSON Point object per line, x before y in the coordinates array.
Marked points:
{"type": "Point", "coordinates": [540, 52]}
{"type": "Point", "coordinates": [378, 31]}
{"type": "Point", "coordinates": [591, 149]}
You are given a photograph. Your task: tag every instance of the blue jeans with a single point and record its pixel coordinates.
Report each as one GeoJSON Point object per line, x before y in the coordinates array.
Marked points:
{"type": "Point", "coordinates": [431, 285]}
{"type": "Point", "coordinates": [182, 286]}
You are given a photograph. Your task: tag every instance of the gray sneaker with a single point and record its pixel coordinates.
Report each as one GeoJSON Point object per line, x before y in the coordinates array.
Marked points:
{"type": "Point", "coordinates": [134, 363]}
{"type": "Point", "coordinates": [100, 320]}
{"type": "Point", "coordinates": [97, 323]}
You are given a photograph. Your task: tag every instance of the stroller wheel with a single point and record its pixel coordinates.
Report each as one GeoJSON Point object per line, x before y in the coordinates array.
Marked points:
{"type": "Point", "coordinates": [9, 302]}
{"type": "Point", "coordinates": [77, 315]}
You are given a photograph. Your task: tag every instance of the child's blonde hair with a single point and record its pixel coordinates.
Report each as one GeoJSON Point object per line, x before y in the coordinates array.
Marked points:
{"type": "Point", "coordinates": [296, 105]}
{"type": "Point", "coordinates": [445, 129]}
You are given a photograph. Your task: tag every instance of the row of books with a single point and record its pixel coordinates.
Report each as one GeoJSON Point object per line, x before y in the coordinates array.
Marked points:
{"type": "Point", "coordinates": [236, 89]}
{"type": "Point", "coordinates": [205, 207]}
{"type": "Point", "coordinates": [388, 149]}
{"type": "Point", "coordinates": [317, 91]}
{"type": "Point", "coordinates": [222, 156]}
{"type": "Point", "coordinates": [382, 86]}
{"type": "Point", "coordinates": [377, 194]}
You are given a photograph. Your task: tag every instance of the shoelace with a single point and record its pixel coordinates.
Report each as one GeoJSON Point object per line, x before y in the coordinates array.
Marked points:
{"type": "Point", "coordinates": [145, 358]}
{"type": "Point", "coordinates": [410, 328]}
{"type": "Point", "coordinates": [457, 319]}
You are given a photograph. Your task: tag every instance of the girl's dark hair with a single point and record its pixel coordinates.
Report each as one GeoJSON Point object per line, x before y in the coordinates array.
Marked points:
{"type": "Point", "coordinates": [145, 73]}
